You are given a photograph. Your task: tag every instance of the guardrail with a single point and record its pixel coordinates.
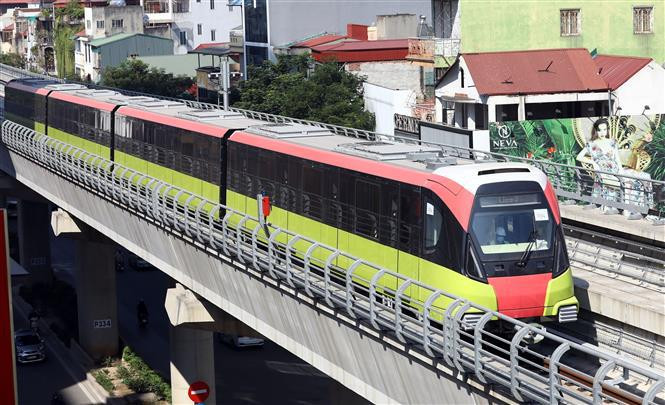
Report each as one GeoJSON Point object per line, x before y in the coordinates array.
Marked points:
{"type": "Point", "coordinates": [639, 195]}
{"type": "Point", "coordinates": [437, 323]}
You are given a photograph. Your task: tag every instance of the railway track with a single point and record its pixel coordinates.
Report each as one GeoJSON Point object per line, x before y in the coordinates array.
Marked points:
{"type": "Point", "coordinates": [617, 258]}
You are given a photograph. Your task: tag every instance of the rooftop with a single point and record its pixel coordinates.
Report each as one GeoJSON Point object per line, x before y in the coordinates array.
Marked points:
{"type": "Point", "coordinates": [119, 37]}
{"type": "Point", "coordinates": [320, 40]}
{"type": "Point", "coordinates": [363, 51]}
{"type": "Point", "coordinates": [542, 71]}
{"type": "Point", "coordinates": [616, 70]}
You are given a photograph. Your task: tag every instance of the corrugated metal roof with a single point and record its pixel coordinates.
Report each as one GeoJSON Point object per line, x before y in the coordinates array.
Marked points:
{"type": "Point", "coordinates": [616, 70]}
{"type": "Point", "coordinates": [119, 37]}
{"type": "Point", "coordinates": [542, 71]}
{"type": "Point", "coordinates": [177, 64]}
{"type": "Point", "coordinates": [320, 40]}
{"type": "Point", "coordinates": [212, 45]}
{"type": "Point", "coordinates": [366, 45]}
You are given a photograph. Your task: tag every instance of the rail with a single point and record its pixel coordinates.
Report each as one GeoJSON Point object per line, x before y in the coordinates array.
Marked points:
{"type": "Point", "coordinates": [438, 323]}
{"type": "Point", "coordinates": [637, 194]}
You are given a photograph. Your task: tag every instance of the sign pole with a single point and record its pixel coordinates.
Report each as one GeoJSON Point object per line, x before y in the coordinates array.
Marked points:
{"type": "Point", "coordinates": [8, 394]}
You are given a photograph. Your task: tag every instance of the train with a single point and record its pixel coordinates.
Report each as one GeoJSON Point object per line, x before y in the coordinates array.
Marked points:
{"type": "Point", "coordinates": [489, 232]}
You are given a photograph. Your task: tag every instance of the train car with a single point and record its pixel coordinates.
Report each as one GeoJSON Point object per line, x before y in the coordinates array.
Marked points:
{"type": "Point", "coordinates": [25, 103]}
{"type": "Point", "coordinates": [489, 232]}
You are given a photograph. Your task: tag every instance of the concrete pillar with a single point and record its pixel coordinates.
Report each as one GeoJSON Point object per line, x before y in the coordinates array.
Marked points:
{"type": "Point", "coordinates": [95, 286]}
{"type": "Point", "coordinates": [192, 353]}
{"type": "Point", "coordinates": [192, 359]}
{"type": "Point", "coordinates": [96, 297]}
{"type": "Point", "coordinates": [521, 110]}
{"type": "Point", "coordinates": [34, 240]}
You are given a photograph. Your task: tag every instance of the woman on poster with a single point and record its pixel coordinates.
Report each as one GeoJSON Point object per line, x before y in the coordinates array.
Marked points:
{"type": "Point", "coordinates": [602, 152]}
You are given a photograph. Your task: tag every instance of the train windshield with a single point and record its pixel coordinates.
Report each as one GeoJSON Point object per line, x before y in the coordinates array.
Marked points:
{"type": "Point", "coordinates": [508, 225]}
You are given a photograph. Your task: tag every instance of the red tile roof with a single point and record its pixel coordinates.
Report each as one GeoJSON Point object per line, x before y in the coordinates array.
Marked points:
{"type": "Point", "coordinates": [320, 40]}
{"type": "Point", "coordinates": [363, 51]}
{"type": "Point", "coordinates": [10, 27]}
{"type": "Point", "coordinates": [616, 70]}
{"type": "Point", "coordinates": [212, 45]}
{"type": "Point", "coordinates": [4, 2]}
{"type": "Point", "coordinates": [540, 71]}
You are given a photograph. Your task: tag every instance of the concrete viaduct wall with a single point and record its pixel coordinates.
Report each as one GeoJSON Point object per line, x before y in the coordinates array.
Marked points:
{"type": "Point", "coordinates": [374, 366]}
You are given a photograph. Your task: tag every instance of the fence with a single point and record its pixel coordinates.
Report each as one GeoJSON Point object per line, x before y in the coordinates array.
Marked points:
{"type": "Point", "coordinates": [440, 323]}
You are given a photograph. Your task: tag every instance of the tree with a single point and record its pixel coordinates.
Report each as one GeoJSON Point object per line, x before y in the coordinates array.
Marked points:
{"type": "Point", "coordinates": [290, 87]}
{"type": "Point", "coordinates": [13, 59]}
{"type": "Point", "coordinates": [136, 75]}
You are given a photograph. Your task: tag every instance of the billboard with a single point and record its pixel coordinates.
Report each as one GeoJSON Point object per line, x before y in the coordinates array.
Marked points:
{"type": "Point", "coordinates": [626, 145]}
{"type": "Point", "coordinates": [7, 356]}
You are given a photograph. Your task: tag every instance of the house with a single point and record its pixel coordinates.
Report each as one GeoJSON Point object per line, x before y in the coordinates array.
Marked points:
{"type": "Point", "coordinates": [92, 56]}
{"type": "Point", "coordinates": [191, 23]}
{"type": "Point", "coordinates": [520, 85]}
{"type": "Point", "coordinates": [612, 27]}
{"type": "Point", "coordinates": [266, 30]}
{"type": "Point", "coordinates": [638, 84]}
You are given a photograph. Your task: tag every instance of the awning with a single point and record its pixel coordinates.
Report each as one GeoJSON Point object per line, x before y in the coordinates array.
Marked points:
{"type": "Point", "coordinates": [458, 98]}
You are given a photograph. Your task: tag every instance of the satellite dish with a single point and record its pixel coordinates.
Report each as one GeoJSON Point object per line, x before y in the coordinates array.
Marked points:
{"type": "Point", "coordinates": [146, 20]}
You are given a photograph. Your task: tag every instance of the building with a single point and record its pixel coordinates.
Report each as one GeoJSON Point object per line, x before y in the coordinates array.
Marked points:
{"type": "Point", "coordinates": [190, 23]}
{"type": "Point", "coordinates": [638, 84]}
{"type": "Point", "coordinates": [621, 27]}
{"type": "Point", "coordinates": [92, 56]}
{"type": "Point", "coordinates": [520, 85]}
{"type": "Point", "coordinates": [270, 24]}
{"type": "Point", "coordinates": [103, 18]}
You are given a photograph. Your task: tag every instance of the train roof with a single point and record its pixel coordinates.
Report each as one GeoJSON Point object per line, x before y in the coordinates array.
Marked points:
{"type": "Point", "coordinates": [428, 159]}
{"type": "Point", "coordinates": [30, 84]}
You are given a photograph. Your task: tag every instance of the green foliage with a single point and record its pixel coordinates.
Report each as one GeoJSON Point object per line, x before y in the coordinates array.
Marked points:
{"type": "Point", "coordinates": [103, 380]}
{"type": "Point", "coordinates": [13, 59]}
{"type": "Point", "coordinates": [290, 87]}
{"type": "Point", "coordinates": [72, 11]}
{"type": "Point", "coordinates": [656, 148]}
{"type": "Point", "coordinates": [141, 378]}
{"type": "Point", "coordinates": [136, 75]}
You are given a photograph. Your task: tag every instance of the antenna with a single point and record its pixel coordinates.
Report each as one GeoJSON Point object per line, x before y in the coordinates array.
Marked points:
{"type": "Point", "coordinates": [507, 80]}
{"type": "Point", "coordinates": [547, 69]}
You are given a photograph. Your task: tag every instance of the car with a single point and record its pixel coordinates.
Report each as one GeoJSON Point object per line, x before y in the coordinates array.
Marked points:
{"type": "Point", "coordinates": [240, 342]}
{"type": "Point", "coordinates": [139, 264]}
{"type": "Point", "coordinates": [29, 346]}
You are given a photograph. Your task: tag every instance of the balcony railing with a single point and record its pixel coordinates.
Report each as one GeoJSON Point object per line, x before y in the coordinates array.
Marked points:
{"type": "Point", "coordinates": [156, 7]}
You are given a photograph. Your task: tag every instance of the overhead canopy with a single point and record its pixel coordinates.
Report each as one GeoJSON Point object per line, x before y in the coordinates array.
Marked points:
{"type": "Point", "coordinates": [213, 51]}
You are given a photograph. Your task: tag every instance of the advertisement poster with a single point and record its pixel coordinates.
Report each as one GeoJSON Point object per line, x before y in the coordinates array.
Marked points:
{"type": "Point", "coordinates": [626, 145]}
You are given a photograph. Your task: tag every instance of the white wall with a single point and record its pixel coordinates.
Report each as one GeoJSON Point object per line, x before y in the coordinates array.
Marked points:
{"type": "Point", "coordinates": [646, 87]}
{"type": "Point", "coordinates": [221, 19]}
{"type": "Point", "coordinates": [402, 75]}
{"type": "Point", "coordinates": [385, 103]}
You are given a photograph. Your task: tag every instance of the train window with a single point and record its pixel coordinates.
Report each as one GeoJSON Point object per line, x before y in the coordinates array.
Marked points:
{"type": "Point", "coordinates": [347, 198]}
{"type": "Point", "coordinates": [331, 204]}
{"type": "Point", "coordinates": [187, 144]}
{"type": "Point", "coordinates": [367, 209]}
{"type": "Point", "coordinates": [389, 213]}
{"type": "Point", "coordinates": [433, 222]}
{"type": "Point", "coordinates": [311, 189]}
{"type": "Point", "coordinates": [266, 165]}
{"type": "Point", "coordinates": [410, 219]}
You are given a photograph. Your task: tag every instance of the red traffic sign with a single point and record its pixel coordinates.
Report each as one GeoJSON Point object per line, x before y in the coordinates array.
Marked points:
{"type": "Point", "coordinates": [198, 391]}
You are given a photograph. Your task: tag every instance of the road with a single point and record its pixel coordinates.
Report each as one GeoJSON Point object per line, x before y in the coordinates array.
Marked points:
{"type": "Point", "coordinates": [267, 375]}
{"type": "Point", "coordinates": [37, 382]}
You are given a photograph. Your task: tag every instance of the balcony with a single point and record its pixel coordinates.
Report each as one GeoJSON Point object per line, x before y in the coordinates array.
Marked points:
{"type": "Point", "coordinates": [158, 11]}
{"type": "Point", "coordinates": [440, 51]}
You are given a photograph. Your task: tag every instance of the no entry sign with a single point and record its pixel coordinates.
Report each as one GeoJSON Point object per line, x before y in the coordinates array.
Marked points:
{"type": "Point", "coordinates": [198, 391]}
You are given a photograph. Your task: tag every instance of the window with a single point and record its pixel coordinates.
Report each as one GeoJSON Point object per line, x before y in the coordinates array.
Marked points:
{"type": "Point", "coordinates": [88, 24]}
{"type": "Point", "coordinates": [117, 23]}
{"type": "Point", "coordinates": [642, 20]}
{"type": "Point", "coordinates": [212, 4]}
{"type": "Point", "coordinates": [433, 221]}
{"type": "Point", "coordinates": [78, 46]}
{"type": "Point", "coordinates": [100, 24]}
{"type": "Point", "coordinates": [367, 209]}
{"type": "Point", "coordinates": [256, 21]}
{"type": "Point", "coordinates": [212, 35]}
{"type": "Point", "coordinates": [570, 22]}
{"type": "Point", "coordinates": [183, 37]}
{"type": "Point", "coordinates": [199, 29]}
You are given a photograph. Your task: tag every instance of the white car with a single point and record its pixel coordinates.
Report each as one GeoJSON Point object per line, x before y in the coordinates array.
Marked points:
{"type": "Point", "coordinates": [241, 341]}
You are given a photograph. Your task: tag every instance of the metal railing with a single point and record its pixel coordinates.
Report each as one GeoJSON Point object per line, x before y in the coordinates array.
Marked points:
{"type": "Point", "coordinates": [633, 192]}
{"type": "Point", "coordinates": [412, 312]}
